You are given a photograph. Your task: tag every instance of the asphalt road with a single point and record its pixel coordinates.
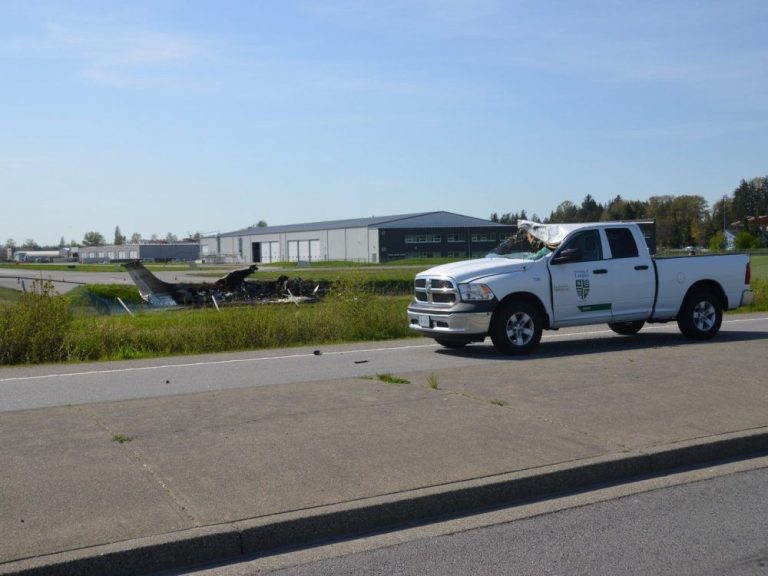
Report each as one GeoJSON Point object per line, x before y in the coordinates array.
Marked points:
{"type": "Point", "coordinates": [58, 385]}
{"type": "Point", "coordinates": [66, 280]}
{"type": "Point", "coordinates": [712, 527]}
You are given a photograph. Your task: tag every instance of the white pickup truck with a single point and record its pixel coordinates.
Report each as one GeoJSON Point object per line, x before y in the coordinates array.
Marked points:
{"type": "Point", "coordinates": [582, 274]}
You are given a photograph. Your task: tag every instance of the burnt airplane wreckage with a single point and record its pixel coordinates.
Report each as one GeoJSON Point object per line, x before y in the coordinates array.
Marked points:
{"type": "Point", "coordinates": [232, 288]}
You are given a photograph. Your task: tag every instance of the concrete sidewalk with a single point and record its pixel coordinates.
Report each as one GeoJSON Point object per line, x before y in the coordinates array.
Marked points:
{"type": "Point", "coordinates": [203, 477]}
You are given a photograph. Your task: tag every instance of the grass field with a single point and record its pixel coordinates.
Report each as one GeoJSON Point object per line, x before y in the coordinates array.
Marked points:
{"type": "Point", "coordinates": [760, 266]}
{"type": "Point", "coordinates": [9, 296]}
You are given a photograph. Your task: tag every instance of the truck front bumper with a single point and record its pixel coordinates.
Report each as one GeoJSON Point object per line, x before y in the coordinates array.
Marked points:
{"type": "Point", "coordinates": [462, 322]}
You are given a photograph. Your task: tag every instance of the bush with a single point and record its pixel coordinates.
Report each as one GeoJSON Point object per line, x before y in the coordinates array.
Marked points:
{"type": "Point", "coordinates": [746, 241]}
{"type": "Point", "coordinates": [717, 242]}
{"type": "Point", "coordinates": [760, 291]}
{"type": "Point", "coordinates": [34, 330]}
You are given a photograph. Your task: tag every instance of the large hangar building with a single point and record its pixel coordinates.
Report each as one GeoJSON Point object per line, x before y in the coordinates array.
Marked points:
{"type": "Point", "coordinates": [375, 239]}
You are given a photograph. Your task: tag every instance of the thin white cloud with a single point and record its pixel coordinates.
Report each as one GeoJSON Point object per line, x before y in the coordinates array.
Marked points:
{"type": "Point", "coordinates": [121, 56]}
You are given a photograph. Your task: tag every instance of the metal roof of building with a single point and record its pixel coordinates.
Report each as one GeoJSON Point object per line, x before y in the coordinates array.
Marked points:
{"type": "Point", "coordinates": [438, 219]}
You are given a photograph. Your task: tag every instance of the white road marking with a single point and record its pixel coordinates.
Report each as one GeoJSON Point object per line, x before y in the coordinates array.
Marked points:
{"type": "Point", "coordinates": [213, 362]}
{"type": "Point", "coordinates": [330, 353]}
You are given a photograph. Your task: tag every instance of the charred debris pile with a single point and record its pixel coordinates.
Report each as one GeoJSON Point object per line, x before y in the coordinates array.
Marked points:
{"type": "Point", "coordinates": [233, 288]}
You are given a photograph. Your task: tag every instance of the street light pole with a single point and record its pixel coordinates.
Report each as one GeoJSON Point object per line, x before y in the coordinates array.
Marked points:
{"type": "Point", "coordinates": [724, 199]}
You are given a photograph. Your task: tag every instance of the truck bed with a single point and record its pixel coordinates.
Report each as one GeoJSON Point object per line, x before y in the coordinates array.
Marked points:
{"type": "Point", "coordinates": [676, 274]}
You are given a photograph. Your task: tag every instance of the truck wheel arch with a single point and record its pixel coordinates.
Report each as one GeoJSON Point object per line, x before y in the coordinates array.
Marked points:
{"type": "Point", "coordinates": [710, 286]}
{"type": "Point", "coordinates": [527, 297]}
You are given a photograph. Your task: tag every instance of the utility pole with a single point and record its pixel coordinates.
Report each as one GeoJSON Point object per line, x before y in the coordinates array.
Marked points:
{"type": "Point", "coordinates": [724, 199]}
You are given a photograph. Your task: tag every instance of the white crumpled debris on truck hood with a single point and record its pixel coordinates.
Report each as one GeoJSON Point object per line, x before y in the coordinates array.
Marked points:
{"type": "Point", "coordinates": [550, 234]}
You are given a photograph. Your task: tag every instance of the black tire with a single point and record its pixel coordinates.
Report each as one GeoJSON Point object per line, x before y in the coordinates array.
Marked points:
{"type": "Point", "coordinates": [516, 328]}
{"type": "Point", "coordinates": [700, 315]}
{"type": "Point", "coordinates": [627, 328]}
{"type": "Point", "coordinates": [454, 344]}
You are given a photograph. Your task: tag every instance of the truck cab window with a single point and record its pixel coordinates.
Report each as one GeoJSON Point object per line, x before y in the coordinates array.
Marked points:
{"type": "Point", "coordinates": [588, 243]}
{"type": "Point", "coordinates": [622, 243]}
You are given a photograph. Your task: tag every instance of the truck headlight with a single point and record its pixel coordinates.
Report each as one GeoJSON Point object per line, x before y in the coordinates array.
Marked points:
{"type": "Point", "coordinates": [475, 292]}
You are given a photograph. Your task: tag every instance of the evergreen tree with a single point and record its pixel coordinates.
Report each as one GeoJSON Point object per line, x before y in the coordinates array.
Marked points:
{"type": "Point", "coordinates": [565, 212]}
{"type": "Point", "coordinates": [590, 210]}
{"type": "Point", "coordinates": [119, 238]}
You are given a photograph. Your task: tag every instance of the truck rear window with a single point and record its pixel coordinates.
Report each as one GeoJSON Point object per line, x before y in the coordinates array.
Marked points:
{"type": "Point", "coordinates": [622, 243]}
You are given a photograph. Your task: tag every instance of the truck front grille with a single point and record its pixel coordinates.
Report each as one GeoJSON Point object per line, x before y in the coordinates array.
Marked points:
{"type": "Point", "coordinates": [437, 291]}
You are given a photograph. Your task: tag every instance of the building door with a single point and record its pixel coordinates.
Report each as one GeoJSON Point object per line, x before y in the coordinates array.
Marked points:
{"type": "Point", "coordinates": [293, 250]}
{"type": "Point", "coordinates": [304, 250]}
{"type": "Point", "coordinates": [271, 252]}
{"type": "Point", "coordinates": [256, 249]}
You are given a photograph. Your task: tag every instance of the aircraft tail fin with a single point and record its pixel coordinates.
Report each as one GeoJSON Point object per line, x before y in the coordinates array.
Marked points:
{"type": "Point", "coordinates": [151, 288]}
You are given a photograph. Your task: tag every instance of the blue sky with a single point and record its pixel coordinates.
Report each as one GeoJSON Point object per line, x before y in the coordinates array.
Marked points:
{"type": "Point", "coordinates": [182, 116]}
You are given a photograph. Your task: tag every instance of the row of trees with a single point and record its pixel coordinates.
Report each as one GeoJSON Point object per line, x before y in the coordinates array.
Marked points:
{"type": "Point", "coordinates": [94, 238]}
{"type": "Point", "coordinates": [680, 220]}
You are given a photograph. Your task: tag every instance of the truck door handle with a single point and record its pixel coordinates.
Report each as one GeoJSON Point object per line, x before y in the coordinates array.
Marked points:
{"type": "Point", "coordinates": [642, 267]}
{"type": "Point", "coordinates": [600, 271]}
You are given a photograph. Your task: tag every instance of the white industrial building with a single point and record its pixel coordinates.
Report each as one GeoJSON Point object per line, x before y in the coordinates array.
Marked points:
{"type": "Point", "coordinates": [375, 239]}
{"type": "Point", "coordinates": [147, 252]}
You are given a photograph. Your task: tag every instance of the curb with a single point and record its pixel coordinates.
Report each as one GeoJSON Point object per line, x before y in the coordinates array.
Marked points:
{"type": "Point", "coordinates": [233, 541]}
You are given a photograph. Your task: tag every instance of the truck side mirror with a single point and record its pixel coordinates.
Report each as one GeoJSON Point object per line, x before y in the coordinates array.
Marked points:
{"type": "Point", "coordinates": [567, 255]}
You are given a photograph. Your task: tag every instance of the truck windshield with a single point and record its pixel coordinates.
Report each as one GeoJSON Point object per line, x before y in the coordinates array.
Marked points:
{"type": "Point", "coordinates": [517, 248]}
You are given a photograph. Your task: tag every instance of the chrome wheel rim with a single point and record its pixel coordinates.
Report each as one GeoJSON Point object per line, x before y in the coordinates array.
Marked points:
{"type": "Point", "coordinates": [520, 329]}
{"type": "Point", "coordinates": [704, 316]}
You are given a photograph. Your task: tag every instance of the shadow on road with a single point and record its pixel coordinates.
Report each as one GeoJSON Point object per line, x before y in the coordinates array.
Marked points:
{"type": "Point", "coordinates": [575, 346]}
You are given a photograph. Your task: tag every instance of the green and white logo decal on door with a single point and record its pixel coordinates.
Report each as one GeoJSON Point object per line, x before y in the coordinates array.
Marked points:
{"type": "Point", "coordinates": [582, 290]}
{"type": "Point", "coordinates": [582, 283]}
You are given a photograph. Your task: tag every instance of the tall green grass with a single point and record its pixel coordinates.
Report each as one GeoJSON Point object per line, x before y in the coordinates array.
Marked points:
{"type": "Point", "coordinates": [41, 327]}
{"type": "Point", "coordinates": [9, 296]}
{"type": "Point", "coordinates": [760, 291]}
{"type": "Point", "coordinates": [35, 329]}
{"type": "Point", "coordinates": [759, 265]}
{"type": "Point", "coordinates": [197, 331]}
